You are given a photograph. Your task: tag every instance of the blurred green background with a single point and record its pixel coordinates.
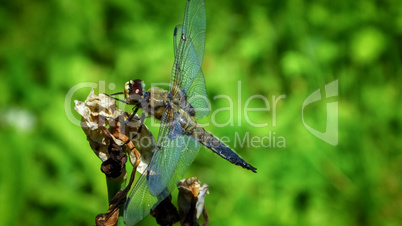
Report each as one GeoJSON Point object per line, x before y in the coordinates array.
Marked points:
{"type": "Point", "coordinates": [49, 175]}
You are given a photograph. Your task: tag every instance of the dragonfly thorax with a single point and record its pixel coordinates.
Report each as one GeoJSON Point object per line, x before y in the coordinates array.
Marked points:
{"type": "Point", "coordinates": [133, 91]}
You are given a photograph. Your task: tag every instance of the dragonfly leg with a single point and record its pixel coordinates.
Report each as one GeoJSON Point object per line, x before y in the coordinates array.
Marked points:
{"type": "Point", "coordinates": [132, 115]}
{"type": "Point", "coordinates": [141, 123]}
{"type": "Point", "coordinates": [142, 119]}
{"type": "Point", "coordinates": [112, 96]}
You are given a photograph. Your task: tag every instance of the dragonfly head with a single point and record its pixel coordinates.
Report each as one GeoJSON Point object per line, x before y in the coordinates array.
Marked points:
{"type": "Point", "coordinates": [133, 91]}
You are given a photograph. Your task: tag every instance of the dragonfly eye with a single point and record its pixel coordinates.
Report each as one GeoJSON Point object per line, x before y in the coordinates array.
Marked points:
{"type": "Point", "coordinates": [133, 91]}
{"type": "Point", "coordinates": [136, 87]}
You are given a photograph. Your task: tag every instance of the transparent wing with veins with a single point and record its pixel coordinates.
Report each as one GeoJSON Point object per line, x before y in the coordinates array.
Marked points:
{"type": "Point", "coordinates": [152, 186]}
{"type": "Point", "coordinates": [176, 152]}
{"type": "Point", "coordinates": [189, 45]}
{"type": "Point", "coordinates": [174, 155]}
{"type": "Point", "coordinates": [167, 154]}
{"type": "Point", "coordinates": [139, 202]}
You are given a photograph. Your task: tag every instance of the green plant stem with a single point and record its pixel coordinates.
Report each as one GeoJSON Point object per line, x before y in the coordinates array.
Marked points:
{"type": "Point", "coordinates": [114, 185]}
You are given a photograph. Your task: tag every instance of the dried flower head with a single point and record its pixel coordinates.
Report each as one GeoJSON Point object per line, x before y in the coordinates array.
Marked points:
{"type": "Point", "coordinates": [99, 112]}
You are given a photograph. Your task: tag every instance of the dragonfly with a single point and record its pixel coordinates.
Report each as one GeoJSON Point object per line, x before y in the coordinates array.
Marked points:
{"type": "Point", "coordinates": [177, 109]}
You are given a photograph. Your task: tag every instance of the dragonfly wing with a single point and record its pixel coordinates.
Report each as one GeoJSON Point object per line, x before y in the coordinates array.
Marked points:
{"type": "Point", "coordinates": [195, 25]}
{"type": "Point", "coordinates": [186, 64]}
{"type": "Point", "coordinates": [139, 202]}
{"type": "Point", "coordinates": [176, 39]}
{"type": "Point", "coordinates": [167, 154]}
{"type": "Point", "coordinates": [189, 152]}
{"type": "Point", "coordinates": [189, 45]}
{"type": "Point", "coordinates": [197, 96]}
{"type": "Point", "coordinates": [187, 156]}
{"type": "Point", "coordinates": [193, 28]}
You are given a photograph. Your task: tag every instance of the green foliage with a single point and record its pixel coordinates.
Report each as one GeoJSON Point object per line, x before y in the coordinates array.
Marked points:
{"type": "Point", "coordinates": [49, 175]}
